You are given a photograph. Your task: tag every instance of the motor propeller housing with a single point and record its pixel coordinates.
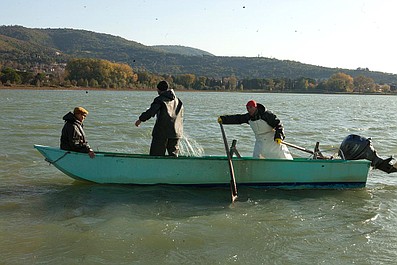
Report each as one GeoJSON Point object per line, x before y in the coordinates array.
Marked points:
{"type": "Point", "coordinates": [355, 147]}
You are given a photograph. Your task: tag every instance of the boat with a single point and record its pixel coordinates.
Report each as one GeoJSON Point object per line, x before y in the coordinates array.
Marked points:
{"type": "Point", "coordinates": [142, 169]}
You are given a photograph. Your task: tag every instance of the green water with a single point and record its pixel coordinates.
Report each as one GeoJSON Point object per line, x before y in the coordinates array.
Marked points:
{"type": "Point", "coordinates": [47, 218]}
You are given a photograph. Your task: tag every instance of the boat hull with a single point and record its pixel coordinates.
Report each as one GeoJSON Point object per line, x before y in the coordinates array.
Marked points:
{"type": "Point", "coordinates": [120, 168]}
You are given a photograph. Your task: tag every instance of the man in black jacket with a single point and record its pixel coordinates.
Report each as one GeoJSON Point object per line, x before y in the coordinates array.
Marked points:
{"type": "Point", "coordinates": [168, 129]}
{"type": "Point", "coordinates": [73, 137]}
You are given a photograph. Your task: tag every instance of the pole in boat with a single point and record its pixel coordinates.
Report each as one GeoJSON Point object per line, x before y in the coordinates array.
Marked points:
{"type": "Point", "coordinates": [299, 148]}
{"type": "Point", "coordinates": [316, 153]}
{"type": "Point", "coordinates": [233, 186]}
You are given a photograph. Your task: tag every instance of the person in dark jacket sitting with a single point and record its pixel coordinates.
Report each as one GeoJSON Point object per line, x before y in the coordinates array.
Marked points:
{"type": "Point", "coordinates": [73, 137]}
{"type": "Point", "coordinates": [168, 129]}
{"type": "Point", "coordinates": [268, 130]}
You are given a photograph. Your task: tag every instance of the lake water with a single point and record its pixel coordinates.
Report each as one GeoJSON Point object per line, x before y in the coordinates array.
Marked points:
{"type": "Point", "coordinates": [47, 218]}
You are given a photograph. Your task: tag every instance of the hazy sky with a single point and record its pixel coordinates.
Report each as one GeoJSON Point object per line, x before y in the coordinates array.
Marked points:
{"type": "Point", "coordinates": [335, 33]}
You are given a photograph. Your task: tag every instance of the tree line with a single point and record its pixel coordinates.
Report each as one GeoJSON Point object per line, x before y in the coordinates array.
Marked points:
{"type": "Point", "coordinates": [98, 73]}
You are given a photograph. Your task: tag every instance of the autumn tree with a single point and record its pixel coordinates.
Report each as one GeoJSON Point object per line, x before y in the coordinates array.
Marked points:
{"type": "Point", "coordinates": [382, 88]}
{"type": "Point", "coordinates": [304, 84]}
{"type": "Point", "coordinates": [186, 80]}
{"type": "Point", "coordinates": [270, 84]}
{"type": "Point", "coordinates": [200, 83]}
{"type": "Point", "coordinates": [279, 84]}
{"type": "Point", "coordinates": [340, 82]}
{"type": "Point", "coordinates": [101, 72]}
{"type": "Point", "coordinates": [364, 84]}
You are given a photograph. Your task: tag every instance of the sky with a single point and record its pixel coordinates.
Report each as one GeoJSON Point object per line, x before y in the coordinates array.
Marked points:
{"type": "Point", "coordinates": [330, 33]}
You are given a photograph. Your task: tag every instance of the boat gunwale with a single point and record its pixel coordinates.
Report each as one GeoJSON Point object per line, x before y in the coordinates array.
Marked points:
{"type": "Point", "coordinates": [207, 157]}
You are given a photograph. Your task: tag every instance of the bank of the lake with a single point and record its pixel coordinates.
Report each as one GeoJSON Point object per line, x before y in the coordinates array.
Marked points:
{"type": "Point", "coordinates": [20, 87]}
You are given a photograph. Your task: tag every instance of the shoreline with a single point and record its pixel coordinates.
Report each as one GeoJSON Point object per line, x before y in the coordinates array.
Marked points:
{"type": "Point", "coordinates": [182, 90]}
{"type": "Point", "coordinates": [71, 88]}
{"type": "Point", "coordinates": [14, 87]}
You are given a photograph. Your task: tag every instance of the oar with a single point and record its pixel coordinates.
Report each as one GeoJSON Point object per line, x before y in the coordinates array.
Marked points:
{"type": "Point", "coordinates": [233, 186]}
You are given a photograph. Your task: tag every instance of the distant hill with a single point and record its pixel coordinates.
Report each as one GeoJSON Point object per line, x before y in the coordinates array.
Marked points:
{"type": "Point", "coordinates": [31, 46]}
{"type": "Point", "coordinates": [182, 50]}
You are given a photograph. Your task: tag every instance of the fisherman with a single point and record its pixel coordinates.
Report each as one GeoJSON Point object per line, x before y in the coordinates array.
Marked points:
{"type": "Point", "coordinates": [73, 137]}
{"type": "Point", "coordinates": [168, 129]}
{"type": "Point", "coordinates": [268, 130]}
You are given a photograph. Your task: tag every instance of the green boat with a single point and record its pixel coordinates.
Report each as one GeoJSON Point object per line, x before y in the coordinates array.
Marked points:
{"type": "Point", "coordinates": [141, 169]}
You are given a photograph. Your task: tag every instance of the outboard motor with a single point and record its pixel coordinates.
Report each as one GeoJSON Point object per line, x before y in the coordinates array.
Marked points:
{"type": "Point", "coordinates": [355, 147]}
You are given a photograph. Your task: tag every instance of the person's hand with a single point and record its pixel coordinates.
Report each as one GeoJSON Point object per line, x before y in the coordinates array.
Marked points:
{"type": "Point", "coordinates": [91, 153]}
{"type": "Point", "coordinates": [137, 123]}
{"type": "Point", "coordinates": [278, 140]}
{"type": "Point", "coordinates": [219, 120]}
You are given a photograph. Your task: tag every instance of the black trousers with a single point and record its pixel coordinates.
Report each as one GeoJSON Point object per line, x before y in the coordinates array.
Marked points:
{"type": "Point", "coordinates": [160, 144]}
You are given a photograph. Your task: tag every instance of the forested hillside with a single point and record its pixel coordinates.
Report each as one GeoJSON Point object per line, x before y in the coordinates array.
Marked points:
{"type": "Point", "coordinates": [24, 47]}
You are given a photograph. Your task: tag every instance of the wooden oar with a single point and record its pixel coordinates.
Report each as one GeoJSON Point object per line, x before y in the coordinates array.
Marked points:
{"type": "Point", "coordinates": [233, 186]}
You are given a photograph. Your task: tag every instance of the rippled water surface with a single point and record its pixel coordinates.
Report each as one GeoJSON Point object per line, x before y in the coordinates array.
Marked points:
{"type": "Point", "coordinates": [47, 218]}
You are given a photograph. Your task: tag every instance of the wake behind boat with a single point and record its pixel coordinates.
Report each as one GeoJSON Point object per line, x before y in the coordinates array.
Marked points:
{"type": "Point", "coordinates": [140, 169]}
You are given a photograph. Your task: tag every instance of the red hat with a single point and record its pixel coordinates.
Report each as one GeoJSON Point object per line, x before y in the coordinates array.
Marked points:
{"type": "Point", "coordinates": [251, 103]}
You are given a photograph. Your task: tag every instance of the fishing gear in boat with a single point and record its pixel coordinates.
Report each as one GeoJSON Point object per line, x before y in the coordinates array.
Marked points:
{"type": "Point", "coordinates": [316, 153]}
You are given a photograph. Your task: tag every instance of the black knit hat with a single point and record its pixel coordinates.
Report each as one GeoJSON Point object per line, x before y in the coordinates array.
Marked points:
{"type": "Point", "coordinates": [162, 86]}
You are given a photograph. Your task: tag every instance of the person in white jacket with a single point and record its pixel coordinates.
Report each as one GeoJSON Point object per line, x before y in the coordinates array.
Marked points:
{"type": "Point", "coordinates": [268, 130]}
